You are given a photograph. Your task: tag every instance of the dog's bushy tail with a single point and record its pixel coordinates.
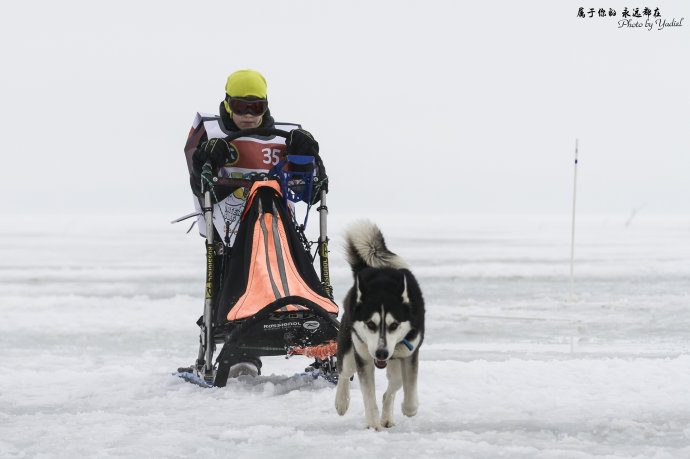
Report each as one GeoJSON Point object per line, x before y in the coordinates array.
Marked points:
{"type": "Point", "coordinates": [365, 247]}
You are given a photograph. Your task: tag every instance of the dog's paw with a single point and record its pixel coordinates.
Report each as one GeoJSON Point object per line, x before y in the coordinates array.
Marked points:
{"type": "Point", "coordinates": [387, 423]}
{"type": "Point", "coordinates": [409, 409]}
{"type": "Point", "coordinates": [342, 404]}
{"type": "Point", "coordinates": [374, 425]}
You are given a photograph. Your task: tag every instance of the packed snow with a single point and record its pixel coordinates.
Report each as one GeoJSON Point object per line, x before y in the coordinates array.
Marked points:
{"type": "Point", "coordinates": [96, 312]}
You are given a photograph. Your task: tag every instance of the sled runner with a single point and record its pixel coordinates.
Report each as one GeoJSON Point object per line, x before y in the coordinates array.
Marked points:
{"type": "Point", "coordinates": [263, 296]}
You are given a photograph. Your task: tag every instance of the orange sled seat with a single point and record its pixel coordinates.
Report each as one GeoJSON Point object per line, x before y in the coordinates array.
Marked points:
{"type": "Point", "coordinates": [271, 299]}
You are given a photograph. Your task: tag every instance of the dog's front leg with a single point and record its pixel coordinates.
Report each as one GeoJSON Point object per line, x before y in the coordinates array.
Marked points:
{"type": "Point", "coordinates": [342, 393]}
{"type": "Point", "coordinates": [409, 380]}
{"type": "Point", "coordinates": [393, 372]}
{"type": "Point", "coordinates": [365, 373]}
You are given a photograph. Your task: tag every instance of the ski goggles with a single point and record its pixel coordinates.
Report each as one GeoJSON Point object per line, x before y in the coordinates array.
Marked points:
{"type": "Point", "coordinates": [243, 106]}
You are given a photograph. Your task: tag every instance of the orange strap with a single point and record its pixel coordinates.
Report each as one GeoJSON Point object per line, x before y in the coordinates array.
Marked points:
{"type": "Point", "coordinates": [322, 351]}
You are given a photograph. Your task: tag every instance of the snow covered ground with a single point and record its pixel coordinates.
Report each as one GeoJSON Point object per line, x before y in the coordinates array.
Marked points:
{"type": "Point", "coordinates": [95, 313]}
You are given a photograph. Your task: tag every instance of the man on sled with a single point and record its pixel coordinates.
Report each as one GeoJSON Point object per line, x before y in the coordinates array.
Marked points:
{"type": "Point", "coordinates": [263, 296]}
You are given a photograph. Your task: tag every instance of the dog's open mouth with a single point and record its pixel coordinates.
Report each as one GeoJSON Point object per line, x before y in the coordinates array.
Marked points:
{"type": "Point", "coordinates": [380, 363]}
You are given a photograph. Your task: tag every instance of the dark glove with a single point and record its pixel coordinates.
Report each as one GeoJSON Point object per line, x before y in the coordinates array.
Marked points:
{"type": "Point", "coordinates": [216, 150]}
{"type": "Point", "coordinates": [301, 142]}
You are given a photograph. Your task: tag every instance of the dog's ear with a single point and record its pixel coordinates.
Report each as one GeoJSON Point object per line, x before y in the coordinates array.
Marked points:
{"type": "Point", "coordinates": [358, 290]}
{"type": "Point", "coordinates": [403, 295]}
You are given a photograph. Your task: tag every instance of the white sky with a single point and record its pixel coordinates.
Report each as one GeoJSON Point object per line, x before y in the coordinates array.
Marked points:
{"type": "Point", "coordinates": [418, 106]}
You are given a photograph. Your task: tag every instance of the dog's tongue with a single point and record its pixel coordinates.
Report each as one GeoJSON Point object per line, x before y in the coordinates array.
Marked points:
{"type": "Point", "coordinates": [380, 363]}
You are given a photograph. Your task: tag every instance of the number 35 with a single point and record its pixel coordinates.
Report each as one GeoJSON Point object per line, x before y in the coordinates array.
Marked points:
{"type": "Point", "coordinates": [271, 156]}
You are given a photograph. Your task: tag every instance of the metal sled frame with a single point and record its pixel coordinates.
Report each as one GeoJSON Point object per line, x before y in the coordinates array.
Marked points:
{"type": "Point", "coordinates": [233, 335]}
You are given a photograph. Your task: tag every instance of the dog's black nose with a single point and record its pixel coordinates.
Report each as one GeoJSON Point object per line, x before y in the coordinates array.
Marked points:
{"type": "Point", "coordinates": [381, 354]}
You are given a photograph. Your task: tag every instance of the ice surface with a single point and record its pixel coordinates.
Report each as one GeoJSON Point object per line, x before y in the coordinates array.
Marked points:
{"type": "Point", "coordinates": [96, 312]}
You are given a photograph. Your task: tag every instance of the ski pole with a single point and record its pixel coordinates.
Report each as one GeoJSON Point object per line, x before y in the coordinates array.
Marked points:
{"type": "Point", "coordinates": [208, 300]}
{"type": "Point", "coordinates": [323, 245]}
{"type": "Point", "coordinates": [572, 234]}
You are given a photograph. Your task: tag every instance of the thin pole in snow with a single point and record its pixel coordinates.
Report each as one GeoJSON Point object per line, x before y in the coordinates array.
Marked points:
{"type": "Point", "coordinates": [572, 238]}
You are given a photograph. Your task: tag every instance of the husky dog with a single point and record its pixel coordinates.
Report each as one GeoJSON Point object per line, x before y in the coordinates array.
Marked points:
{"type": "Point", "coordinates": [382, 326]}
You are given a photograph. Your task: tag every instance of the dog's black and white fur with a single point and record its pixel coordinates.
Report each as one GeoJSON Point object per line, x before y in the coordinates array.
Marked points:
{"type": "Point", "coordinates": [382, 326]}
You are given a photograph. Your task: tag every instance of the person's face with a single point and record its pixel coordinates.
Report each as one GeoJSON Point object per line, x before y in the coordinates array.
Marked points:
{"type": "Point", "coordinates": [247, 121]}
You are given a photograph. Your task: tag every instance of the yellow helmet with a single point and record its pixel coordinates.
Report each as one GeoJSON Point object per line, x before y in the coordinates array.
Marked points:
{"type": "Point", "coordinates": [245, 83]}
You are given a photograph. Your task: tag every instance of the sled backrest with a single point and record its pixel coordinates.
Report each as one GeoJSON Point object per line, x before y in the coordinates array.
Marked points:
{"type": "Point", "coordinates": [268, 260]}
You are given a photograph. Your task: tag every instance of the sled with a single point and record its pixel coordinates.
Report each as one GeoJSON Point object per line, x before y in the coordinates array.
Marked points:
{"type": "Point", "coordinates": [263, 296]}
